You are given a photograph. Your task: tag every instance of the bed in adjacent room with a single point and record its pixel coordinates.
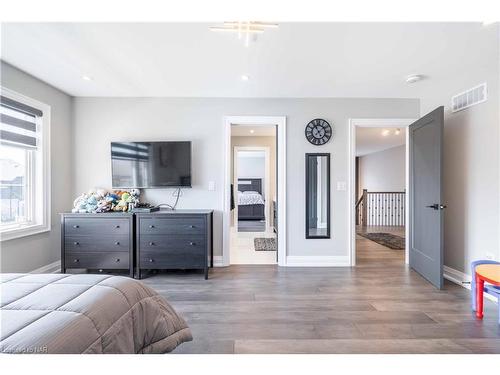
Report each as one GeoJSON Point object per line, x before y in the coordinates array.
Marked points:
{"type": "Point", "coordinates": [250, 200]}
{"type": "Point", "coordinates": [61, 313]}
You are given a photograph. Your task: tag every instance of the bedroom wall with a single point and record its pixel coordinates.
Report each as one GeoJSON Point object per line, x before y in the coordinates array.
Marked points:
{"type": "Point", "coordinates": [32, 252]}
{"type": "Point", "coordinates": [98, 121]}
{"type": "Point", "coordinates": [253, 167]}
{"type": "Point", "coordinates": [471, 158]}
{"type": "Point", "coordinates": [383, 170]}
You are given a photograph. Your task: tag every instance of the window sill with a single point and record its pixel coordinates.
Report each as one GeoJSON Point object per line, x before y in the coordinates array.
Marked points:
{"type": "Point", "coordinates": [14, 233]}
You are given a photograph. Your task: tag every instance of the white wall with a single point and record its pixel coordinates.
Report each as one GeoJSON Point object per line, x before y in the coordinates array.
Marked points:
{"type": "Point", "coordinates": [471, 154]}
{"type": "Point", "coordinates": [32, 252]}
{"type": "Point", "coordinates": [253, 167]}
{"type": "Point", "coordinates": [383, 171]}
{"type": "Point", "coordinates": [98, 121]}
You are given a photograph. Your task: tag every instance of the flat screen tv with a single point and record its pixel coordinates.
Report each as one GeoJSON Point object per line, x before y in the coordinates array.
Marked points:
{"type": "Point", "coordinates": [150, 164]}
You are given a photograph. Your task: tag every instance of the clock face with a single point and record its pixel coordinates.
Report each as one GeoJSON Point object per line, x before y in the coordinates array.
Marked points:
{"type": "Point", "coordinates": [318, 132]}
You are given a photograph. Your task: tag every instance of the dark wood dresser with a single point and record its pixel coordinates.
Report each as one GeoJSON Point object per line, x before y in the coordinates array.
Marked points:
{"type": "Point", "coordinates": [174, 239]}
{"type": "Point", "coordinates": [97, 241]}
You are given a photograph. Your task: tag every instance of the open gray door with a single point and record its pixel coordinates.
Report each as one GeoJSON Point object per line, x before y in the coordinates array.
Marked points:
{"type": "Point", "coordinates": [425, 194]}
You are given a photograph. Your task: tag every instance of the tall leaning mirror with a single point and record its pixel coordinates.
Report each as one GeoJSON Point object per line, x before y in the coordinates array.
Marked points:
{"type": "Point", "coordinates": [318, 195]}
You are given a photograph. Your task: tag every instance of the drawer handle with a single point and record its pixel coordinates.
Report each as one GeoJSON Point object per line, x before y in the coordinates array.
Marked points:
{"type": "Point", "coordinates": [151, 226]}
{"type": "Point", "coordinates": [151, 244]}
{"type": "Point", "coordinates": [76, 260]}
{"type": "Point", "coordinates": [192, 243]}
{"type": "Point", "coordinates": [118, 259]}
{"type": "Point", "coordinates": [117, 243]}
{"type": "Point", "coordinates": [150, 260]}
{"type": "Point", "coordinates": [192, 226]}
{"type": "Point", "coordinates": [76, 226]}
{"type": "Point", "coordinates": [76, 243]}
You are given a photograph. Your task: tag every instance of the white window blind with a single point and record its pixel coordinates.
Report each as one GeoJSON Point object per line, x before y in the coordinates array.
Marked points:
{"type": "Point", "coordinates": [19, 123]}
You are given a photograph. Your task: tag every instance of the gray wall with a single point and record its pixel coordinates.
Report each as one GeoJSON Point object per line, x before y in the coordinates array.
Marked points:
{"type": "Point", "coordinates": [383, 170]}
{"type": "Point", "coordinates": [98, 121]}
{"type": "Point", "coordinates": [471, 155]}
{"type": "Point", "coordinates": [29, 253]}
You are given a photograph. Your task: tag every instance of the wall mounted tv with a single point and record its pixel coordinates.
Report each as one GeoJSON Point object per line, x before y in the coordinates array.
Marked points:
{"type": "Point", "coordinates": [150, 164]}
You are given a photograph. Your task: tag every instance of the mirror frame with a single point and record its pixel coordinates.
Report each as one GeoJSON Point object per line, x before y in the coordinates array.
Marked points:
{"type": "Point", "coordinates": [327, 155]}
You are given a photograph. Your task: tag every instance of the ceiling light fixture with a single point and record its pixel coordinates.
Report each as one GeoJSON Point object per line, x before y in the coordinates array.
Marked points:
{"type": "Point", "coordinates": [414, 78]}
{"type": "Point", "coordinates": [247, 28]}
{"type": "Point", "coordinates": [252, 131]}
{"type": "Point", "coordinates": [245, 78]}
{"type": "Point", "coordinates": [385, 132]}
{"type": "Point", "coordinates": [86, 78]}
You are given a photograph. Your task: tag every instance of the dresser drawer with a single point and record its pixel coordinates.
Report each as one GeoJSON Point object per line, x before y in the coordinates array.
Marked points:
{"type": "Point", "coordinates": [172, 225]}
{"type": "Point", "coordinates": [187, 244]}
{"type": "Point", "coordinates": [171, 259]}
{"type": "Point", "coordinates": [111, 260]}
{"type": "Point", "coordinates": [97, 243]}
{"type": "Point", "coordinates": [96, 226]}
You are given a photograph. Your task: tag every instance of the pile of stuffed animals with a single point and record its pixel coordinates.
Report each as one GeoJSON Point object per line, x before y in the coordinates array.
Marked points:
{"type": "Point", "coordinates": [101, 200]}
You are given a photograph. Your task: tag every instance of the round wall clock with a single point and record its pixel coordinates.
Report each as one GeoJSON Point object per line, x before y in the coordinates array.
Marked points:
{"type": "Point", "coordinates": [318, 132]}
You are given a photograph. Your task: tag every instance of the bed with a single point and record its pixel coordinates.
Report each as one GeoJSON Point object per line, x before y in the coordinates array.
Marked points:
{"type": "Point", "coordinates": [250, 201]}
{"type": "Point", "coordinates": [61, 313]}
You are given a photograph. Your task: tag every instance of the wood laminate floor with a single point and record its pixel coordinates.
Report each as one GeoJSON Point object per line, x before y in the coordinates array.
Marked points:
{"type": "Point", "coordinates": [380, 306]}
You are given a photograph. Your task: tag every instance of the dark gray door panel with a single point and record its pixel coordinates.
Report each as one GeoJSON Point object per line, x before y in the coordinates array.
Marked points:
{"type": "Point", "coordinates": [426, 207]}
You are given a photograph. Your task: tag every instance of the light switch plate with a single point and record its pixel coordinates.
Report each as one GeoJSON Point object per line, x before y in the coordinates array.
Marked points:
{"type": "Point", "coordinates": [211, 185]}
{"type": "Point", "coordinates": [341, 186]}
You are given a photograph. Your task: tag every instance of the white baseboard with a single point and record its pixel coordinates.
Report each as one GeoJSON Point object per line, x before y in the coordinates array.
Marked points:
{"type": "Point", "coordinates": [218, 261]}
{"type": "Point", "coordinates": [317, 261]}
{"type": "Point", "coordinates": [461, 279]}
{"type": "Point", "coordinates": [49, 268]}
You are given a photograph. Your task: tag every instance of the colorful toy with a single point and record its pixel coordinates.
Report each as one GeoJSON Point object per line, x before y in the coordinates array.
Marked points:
{"type": "Point", "coordinates": [100, 200]}
{"type": "Point", "coordinates": [489, 271]}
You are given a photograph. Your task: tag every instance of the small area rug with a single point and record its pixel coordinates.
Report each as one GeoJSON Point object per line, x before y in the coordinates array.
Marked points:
{"type": "Point", "coordinates": [386, 239]}
{"type": "Point", "coordinates": [264, 244]}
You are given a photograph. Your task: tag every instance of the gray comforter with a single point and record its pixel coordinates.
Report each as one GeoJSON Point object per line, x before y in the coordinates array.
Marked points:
{"type": "Point", "coordinates": [60, 313]}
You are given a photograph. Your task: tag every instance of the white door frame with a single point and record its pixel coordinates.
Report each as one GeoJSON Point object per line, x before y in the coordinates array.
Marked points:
{"type": "Point", "coordinates": [280, 122]}
{"type": "Point", "coordinates": [267, 184]}
{"type": "Point", "coordinates": [374, 123]}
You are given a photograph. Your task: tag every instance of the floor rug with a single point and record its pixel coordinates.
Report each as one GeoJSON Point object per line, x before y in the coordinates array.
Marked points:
{"type": "Point", "coordinates": [265, 244]}
{"type": "Point", "coordinates": [386, 239]}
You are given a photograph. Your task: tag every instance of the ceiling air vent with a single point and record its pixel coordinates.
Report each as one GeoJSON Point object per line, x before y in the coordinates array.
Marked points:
{"type": "Point", "coordinates": [469, 98]}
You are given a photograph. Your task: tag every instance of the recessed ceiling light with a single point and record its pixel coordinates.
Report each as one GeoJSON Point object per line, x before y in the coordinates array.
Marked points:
{"type": "Point", "coordinates": [244, 77]}
{"type": "Point", "coordinates": [414, 78]}
{"type": "Point", "coordinates": [252, 131]}
{"type": "Point", "coordinates": [86, 78]}
{"type": "Point", "coordinates": [385, 132]}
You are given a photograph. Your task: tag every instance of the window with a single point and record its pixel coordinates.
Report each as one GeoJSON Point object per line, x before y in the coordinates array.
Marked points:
{"type": "Point", "coordinates": [24, 166]}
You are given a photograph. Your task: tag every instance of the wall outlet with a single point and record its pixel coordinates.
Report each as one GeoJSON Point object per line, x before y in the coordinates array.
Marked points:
{"type": "Point", "coordinates": [177, 192]}
{"type": "Point", "coordinates": [211, 185]}
{"type": "Point", "coordinates": [490, 256]}
{"type": "Point", "coordinates": [341, 186]}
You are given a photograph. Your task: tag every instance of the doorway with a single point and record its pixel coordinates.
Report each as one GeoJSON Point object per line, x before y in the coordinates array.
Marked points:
{"type": "Point", "coordinates": [378, 192]}
{"type": "Point", "coordinates": [261, 223]}
{"type": "Point", "coordinates": [253, 234]}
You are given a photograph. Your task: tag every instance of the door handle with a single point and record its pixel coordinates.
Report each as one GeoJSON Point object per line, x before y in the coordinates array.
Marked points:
{"type": "Point", "coordinates": [436, 206]}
